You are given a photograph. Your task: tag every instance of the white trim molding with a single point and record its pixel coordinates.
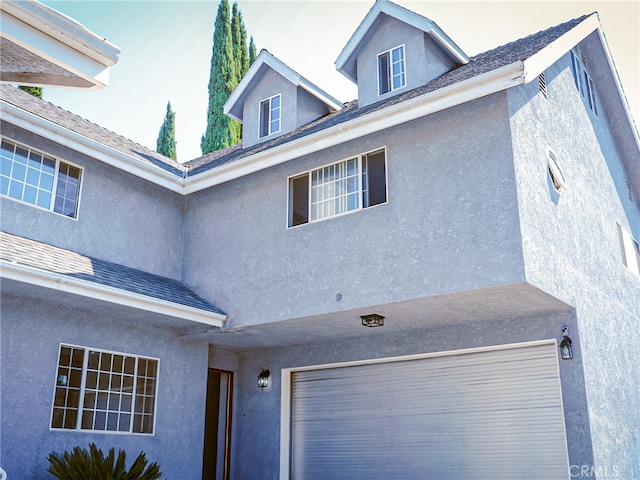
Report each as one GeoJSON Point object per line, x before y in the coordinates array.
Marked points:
{"type": "Point", "coordinates": [84, 288]}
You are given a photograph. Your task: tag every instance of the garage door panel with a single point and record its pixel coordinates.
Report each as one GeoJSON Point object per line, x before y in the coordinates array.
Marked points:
{"type": "Point", "coordinates": [465, 416]}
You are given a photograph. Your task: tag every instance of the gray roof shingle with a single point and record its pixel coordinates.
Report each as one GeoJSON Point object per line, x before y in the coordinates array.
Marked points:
{"type": "Point", "coordinates": [79, 125]}
{"type": "Point", "coordinates": [47, 258]}
{"type": "Point", "coordinates": [518, 50]}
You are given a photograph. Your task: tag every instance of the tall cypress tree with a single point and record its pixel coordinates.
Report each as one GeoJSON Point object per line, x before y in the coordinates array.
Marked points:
{"type": "Point", "coordinates": [221, 131]}
{"type": "Point", "coordinates": [166, 143]}
{"type": "Point", "coordinates": [35, 91]}
{"type": "Point", "coordinates": [240, 50]}
{"type": "Point", "coordinates": [253, 52]}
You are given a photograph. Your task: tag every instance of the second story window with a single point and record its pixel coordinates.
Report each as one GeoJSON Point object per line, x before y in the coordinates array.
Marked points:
{"type": "Point", "coordinates": [341, 187]}
{"type": "Point", "coordinates": [583, 81]}
{"type": "Point", "coordinates": [270, 116]}
{"type": "Point", "coordinates": [391, 70]}
{"type": "Point", "coordinates": [35, 178]}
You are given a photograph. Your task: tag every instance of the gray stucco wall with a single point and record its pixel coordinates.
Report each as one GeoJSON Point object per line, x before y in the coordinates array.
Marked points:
{"type": "Point", "coordinates": [424, 60]}
{"type": "Point", "coordinates": [122, 218]}
{"type": "Point", "coordinates": [450, 224]}
{"type": "Point", "coordinates": [308, 108]}
{"type": "Point", "coordinates": [30, 334]}
{"type": "Point", "coordinates": [571, 250]}
{"type": "Point", "coordinates": [256, 434]}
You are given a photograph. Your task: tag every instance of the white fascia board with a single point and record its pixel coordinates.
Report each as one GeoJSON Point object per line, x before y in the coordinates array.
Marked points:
{"type": "Point", "coordinates": [104, 293]}
{"type": "Point", "coordinates": [64, 29]}
{"type": "Point", "coordinates": [91, 148]}
{"type": "Point", "coordinates": [620, 89]}
{"type": "Point", "coordinates": [408, 110]}
{"type": "Point", "coordinates": [331, 102]}
{"type": "Point", "coordinates": [540, 61]}
{"type": "Point", "coordinates": [56, 52]}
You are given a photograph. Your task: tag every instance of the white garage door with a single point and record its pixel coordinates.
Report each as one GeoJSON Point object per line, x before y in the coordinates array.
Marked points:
{"type": "Point", "coordinates": [493, 414]}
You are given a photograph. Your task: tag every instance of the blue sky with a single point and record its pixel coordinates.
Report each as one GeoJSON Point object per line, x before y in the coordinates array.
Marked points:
{"type": "Point", "coordinates": [166, 50]}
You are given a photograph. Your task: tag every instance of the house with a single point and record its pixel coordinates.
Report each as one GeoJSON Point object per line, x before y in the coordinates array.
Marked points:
{"type": "Point", "coordinates": [376, 289]}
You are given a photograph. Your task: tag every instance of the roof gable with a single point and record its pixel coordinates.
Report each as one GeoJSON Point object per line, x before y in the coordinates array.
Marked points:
{"type": "Point", "coordinates": [234, 105]}
{"type": "Point", "coordinates": [346, 61]}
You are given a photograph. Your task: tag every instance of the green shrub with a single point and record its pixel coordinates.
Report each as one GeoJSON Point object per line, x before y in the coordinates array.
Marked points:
{"type": "Point", "coordinates": [83, 464]}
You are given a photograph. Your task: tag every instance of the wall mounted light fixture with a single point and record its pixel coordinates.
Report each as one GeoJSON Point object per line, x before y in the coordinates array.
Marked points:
{"type": "Point", "coordinates": [373, 320]}
{"type": "Point", "coordinates": [263, 379]}
{"type": "Point", "coordinates": [566, 351]}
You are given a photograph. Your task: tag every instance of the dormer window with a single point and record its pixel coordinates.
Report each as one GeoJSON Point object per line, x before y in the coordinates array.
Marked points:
{"type": "Point", "coordinates": [391, 70]}
{"type": "Point", "coordinates": [270, 116]}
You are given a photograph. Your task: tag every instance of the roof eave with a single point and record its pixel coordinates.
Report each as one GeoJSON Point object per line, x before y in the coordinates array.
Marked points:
{"type": "Point", "coordinates": [63, 29]}
{"type": "Point", "coordinates": [60, 40]}
{"type": "Point", "coordinates": [50, 130]}
{"type": "Point", "coordinates": [83, 288]}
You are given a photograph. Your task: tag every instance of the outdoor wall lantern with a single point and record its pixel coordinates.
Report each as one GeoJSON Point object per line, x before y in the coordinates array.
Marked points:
{"type": "Point", "coordinates": [566, 351]}
{"type": "Point", "coordinates": [263, 379]}
{"type": "Point", "coordinates": [373, 320]}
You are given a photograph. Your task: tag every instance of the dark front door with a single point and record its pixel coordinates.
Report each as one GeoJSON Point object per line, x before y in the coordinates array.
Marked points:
{"type": "Point", "coordinates": [217, 426]}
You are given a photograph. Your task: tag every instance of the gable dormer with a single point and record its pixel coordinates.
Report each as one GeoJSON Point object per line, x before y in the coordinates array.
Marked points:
{"type": "Point", "coordinates": [272, 99]}
{"type": "Point", "coordinates": [394, 50]}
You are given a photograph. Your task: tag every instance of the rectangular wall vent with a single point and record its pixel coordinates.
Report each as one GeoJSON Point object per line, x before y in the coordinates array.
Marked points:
{"type": "Point", "coordinates": [542, 83]}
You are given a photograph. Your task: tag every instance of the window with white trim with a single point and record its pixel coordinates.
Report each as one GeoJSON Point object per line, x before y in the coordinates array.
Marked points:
{"type": "Point", "coordinates": [629, 250]}
{"type": "Point", "coordinates": [353, 184]}
{"type": "Point", "coordinates": [38, 179]}
{"type": "Point", "coordinates": [104, 391]}
{"type": "Point", "coordinates": [270, 116]}
{"type": "Point", "coordinates": [583, 81]}
{"type": "Point", "coordinates": [391, 70]}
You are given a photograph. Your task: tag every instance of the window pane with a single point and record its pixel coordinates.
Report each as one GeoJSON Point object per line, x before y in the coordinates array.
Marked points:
{"type": "Point", "coordinates": [264, 118]}
{"type": "Point", "coordinates": [30, 194]}
{"type": "Point", "coordinates": [5, 168]}
{"type": "Point", "coordinates": [94, 359]}
{"type": "Point", "coordinates": [35, 160]}
{"type": "Point", "coordinates": [376, 179]}
{"type": "Point", "coordinates": [21, 155]}
{"type": "Point", "coordinates": [19, 172]}
{"type": "Point", "coordinates": [383, 73]}
{"type": "Point", "coordinates": [87, 420]}
{"type": "Point", "coordinates": [6, 149]}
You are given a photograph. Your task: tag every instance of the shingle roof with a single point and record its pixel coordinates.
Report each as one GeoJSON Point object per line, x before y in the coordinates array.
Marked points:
{"type": "Point", "coordinates": [518, 50]}
{"type": "Point", "coordinates": [79, 125]}
{"type": "Point", "coordinates": [50, 259]}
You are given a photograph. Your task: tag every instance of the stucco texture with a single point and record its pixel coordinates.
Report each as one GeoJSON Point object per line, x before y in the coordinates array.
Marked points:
{"type": "Point", "coordinates": [572, 252]}
{"type": "Point", "coordinates": [28, 382]}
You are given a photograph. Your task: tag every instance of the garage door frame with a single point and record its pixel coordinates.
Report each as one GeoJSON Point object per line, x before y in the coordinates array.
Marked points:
{"type": "Point", "coordinates": [286, 388]}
